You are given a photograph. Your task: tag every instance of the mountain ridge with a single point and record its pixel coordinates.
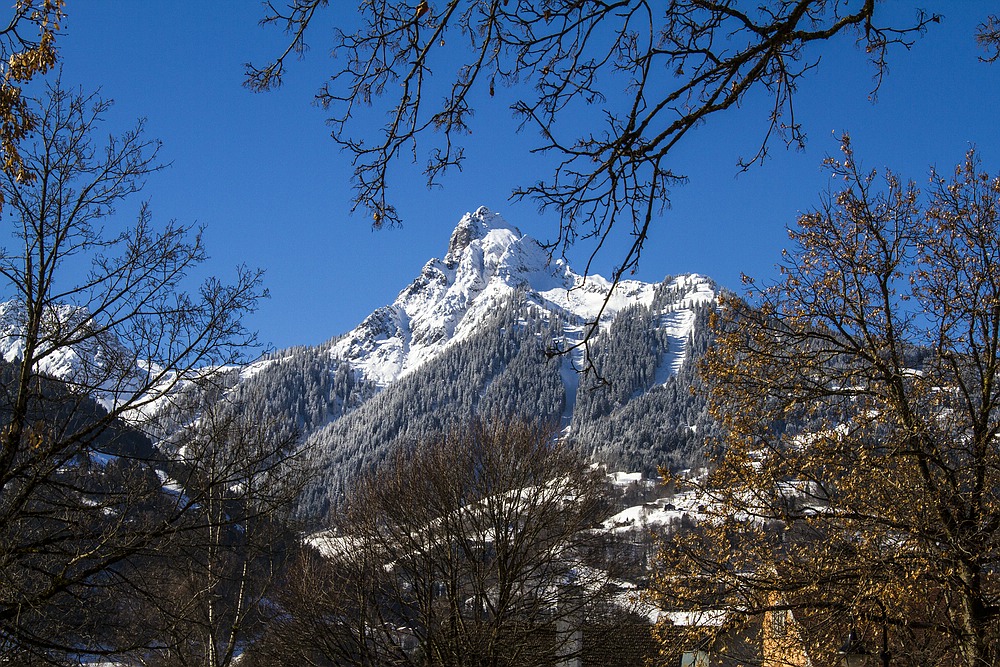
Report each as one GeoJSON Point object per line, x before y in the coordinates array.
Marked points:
{"type": "Point", "coordinates": [471, 336]}
{"type": "Point", "coordinates": [487, 260]}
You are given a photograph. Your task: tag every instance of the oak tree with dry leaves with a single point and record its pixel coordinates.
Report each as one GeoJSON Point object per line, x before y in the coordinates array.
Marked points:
{"type": "Point", "coordinates": [859, 482]}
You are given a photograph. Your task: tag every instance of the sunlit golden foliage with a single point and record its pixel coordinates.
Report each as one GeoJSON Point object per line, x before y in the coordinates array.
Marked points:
{"type": "Point", "coordinates": [26, 56]}
{"type": "Point", "coordinates": [859, 482]}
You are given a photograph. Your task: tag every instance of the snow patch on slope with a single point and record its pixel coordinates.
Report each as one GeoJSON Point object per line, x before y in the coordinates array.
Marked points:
{"type": "Point", "coordinates": [97, 363]}
{"type": "Point", "coordinates": [677, 322]}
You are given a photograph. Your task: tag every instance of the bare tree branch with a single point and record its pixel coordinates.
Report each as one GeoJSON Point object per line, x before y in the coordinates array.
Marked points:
{"type": "Point", "coordinates": [656, 71]}
{"type": "Point", "coordinates": [102, 326]}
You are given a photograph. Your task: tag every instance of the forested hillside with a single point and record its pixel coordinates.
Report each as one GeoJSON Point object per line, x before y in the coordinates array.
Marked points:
{"type": "Point", "coordinates": [476, 334]}
{"type": "Point", "coordinates": [633, 422]}
{"type": "Point", "coordinates": [633, 411]}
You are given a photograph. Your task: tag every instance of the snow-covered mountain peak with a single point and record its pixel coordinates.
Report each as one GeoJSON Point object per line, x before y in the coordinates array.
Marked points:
{"type": "Point", "coordinates": [488, 261]}
{"type": "Point", "coordinates": [477, 226]}
{"type": "Point", "coordinates": [72, 347]}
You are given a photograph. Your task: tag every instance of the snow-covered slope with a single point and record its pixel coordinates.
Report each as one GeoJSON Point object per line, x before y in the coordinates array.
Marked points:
{"type": "Point", "coordinates": [61, 363]}
{"type": "Point", "coordinates": [96, 363]}
{"type": "Point", "coordinates": [88, 358]}
{"type": "Point", "coordinates": [488, 259]}
{"type": "Point", "coordinates": [469, 336]}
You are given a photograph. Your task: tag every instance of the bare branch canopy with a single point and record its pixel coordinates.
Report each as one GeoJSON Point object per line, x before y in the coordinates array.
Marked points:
{"type": "Point", "coordinates": [645, 74]}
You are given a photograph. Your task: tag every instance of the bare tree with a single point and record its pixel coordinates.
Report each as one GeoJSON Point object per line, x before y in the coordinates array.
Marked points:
{"type": "Point", "coordinates": [859, 485]}
{"type": "Point", "coordinates": [472, 548]}
{"type": "Point", "coordinates": [213, 580]}
{"type": "Point", "coordinates": [647, 73]}
{"type": "Point", "coordinates": [988, 36]}
{"type": "Point", "coordinates": [102, 327]}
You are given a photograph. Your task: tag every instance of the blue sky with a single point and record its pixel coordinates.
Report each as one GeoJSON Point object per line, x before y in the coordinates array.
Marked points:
{"type": "Point", "coordinates": [260, 172]}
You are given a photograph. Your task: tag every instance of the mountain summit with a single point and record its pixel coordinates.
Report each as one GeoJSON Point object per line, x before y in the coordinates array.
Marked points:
{"type": "Point", "coordinates": [470, 336]}
{"type": "Point", "coordinates": [474, 227]}
{"type": "Point", "coordinates": [488, 260]}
